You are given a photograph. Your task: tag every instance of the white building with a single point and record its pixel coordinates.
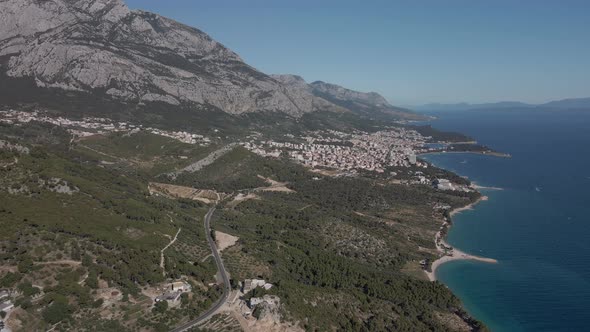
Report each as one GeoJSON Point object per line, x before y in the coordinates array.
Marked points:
{"type": "Point", "coordinates": [443, 184]}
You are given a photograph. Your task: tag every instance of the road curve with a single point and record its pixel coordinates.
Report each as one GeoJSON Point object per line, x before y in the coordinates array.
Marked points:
{"type": "Point", "coordinates": [226, 286]}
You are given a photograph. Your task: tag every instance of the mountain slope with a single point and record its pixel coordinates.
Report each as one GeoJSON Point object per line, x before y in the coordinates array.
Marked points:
{"type": "Point", "coordinates": [104, 48]}
{"type": "Point", "coordinates": [370, 104]}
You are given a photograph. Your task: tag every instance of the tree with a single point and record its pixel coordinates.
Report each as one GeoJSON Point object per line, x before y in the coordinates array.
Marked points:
{"type": "Point", "coordinates": [10, 279]}
{"type": "Point", "coordinates": [161, 307]}
{"type": "Point", "coordinates": [92, 280]}
{"type": "Point", "coordinates": [184, 299]}
{"type": "Point", "coordinates": [57, 312]}
{"type": "Point", "coordinates": [86, 260]}
{"type": "Point", "coordinates": [98, 303]}
{"type": "Point", "coordinates": [25, 264]}
{"type": "Point", "coordinates": [27, 289]}
{"type": "Point", "coordinates": [161, 327]}
{"type": "Point", "coordinates": [26, 304]}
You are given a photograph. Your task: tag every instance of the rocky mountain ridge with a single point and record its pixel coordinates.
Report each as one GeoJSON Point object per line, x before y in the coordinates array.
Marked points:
{"type": "Point", "coordinates": [101, 46]}
{"type": "Point", "coordinates": [341, 93]}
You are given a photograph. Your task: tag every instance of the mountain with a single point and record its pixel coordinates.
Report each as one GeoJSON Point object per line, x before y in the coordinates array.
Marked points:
{"type": "Point", "coordinates": [467, 106]}
{"type": "Point", "coordinates": [572, 103]}
{"type": "Point", "coordinates": [104, 48]}
{"type": "Point", "coordinates": [369, 104]}
{"type": "Point", "coordinates": [327, 96]}
{"type": "Point", "coordinates": [333, 91]}
{"type": "Point", "coordinates": [564, 104]}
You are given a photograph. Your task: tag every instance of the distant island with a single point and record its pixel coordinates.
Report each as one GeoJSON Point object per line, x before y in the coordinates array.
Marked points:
{"type": "Point", "coordinates": [563, 104]}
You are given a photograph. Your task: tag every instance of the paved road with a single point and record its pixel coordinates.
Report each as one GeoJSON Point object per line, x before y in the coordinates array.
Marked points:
{"type": "Point", "coordinates": [226, 286]}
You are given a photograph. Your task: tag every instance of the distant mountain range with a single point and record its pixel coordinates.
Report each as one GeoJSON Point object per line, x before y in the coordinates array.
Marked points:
{"type": "Point", "coordinates": [564, 104]}
{"type": "Point", "coordinates": [103, 48]}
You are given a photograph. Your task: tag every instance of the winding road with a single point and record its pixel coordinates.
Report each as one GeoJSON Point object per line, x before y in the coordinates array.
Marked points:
{"type": "Point", "coordinates": [226, 286]}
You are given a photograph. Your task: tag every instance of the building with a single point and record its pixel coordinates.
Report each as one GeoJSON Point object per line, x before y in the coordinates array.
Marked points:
{"type": "Point", "coordinates": [271, 300]}
{"type": "Point", "coordinates": [180, 286]}
{"type": "Point", "coordinates": [255, 301]}
{"type": "Point", "coordinates": [250, 284]}
{"type": "Point", "coordinates": [443, 184]}
{"type": "Point", "coordinates": [170, 297]}
{"type": "Point", "coordinates": [173, 291]}
{"type": "Point", "coordinates": [247, 286]}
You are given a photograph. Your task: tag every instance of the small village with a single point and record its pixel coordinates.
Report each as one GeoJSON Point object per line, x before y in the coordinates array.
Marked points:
{"type": "Point", "coordinates": [90, 126]}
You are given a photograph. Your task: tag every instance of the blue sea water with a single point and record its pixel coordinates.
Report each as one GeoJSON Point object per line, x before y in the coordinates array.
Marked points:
{"type": "Point", "coordinates": [538, 226]}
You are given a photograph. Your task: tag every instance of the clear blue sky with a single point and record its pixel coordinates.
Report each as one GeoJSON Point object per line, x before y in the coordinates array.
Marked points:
{"type": "Point", "coordinates": [411, 52]}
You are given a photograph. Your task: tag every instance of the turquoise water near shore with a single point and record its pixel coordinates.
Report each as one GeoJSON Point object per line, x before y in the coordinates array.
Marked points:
{"type": "Point", "coordinates": [538, 226]}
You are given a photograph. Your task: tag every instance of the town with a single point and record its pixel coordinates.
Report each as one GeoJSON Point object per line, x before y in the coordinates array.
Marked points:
{"type": "Point", "coordinates": [90, 126]}
{"type": "Point", "coordinates": [395, 147]}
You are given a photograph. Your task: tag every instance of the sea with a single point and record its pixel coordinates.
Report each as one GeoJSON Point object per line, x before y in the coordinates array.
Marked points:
{"type": "Point", "coordinates": [537, 226]}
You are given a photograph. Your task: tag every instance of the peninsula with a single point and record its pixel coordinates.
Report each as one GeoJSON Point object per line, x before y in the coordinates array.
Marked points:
{"type": "Point", "coordinates": [448, 252]}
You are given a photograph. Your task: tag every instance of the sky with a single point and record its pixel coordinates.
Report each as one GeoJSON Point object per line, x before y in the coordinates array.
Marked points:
{"type": "Point", "coordinates": [411, 52]}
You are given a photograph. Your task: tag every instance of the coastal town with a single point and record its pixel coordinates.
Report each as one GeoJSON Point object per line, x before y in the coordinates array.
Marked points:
{"type": "Point", "coordinates": [90, 126]}
{"type": "Point", "coordinates": [395, 147]}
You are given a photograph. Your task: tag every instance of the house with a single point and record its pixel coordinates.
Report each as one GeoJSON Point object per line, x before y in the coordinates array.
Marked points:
{"type": "Point", "coordinates": [271, 300]}
{"type": "Point", "coordinates": [258, 283]}
{"type": "Point", "coordinates": [180, 286]}
{"type": "Point", "coordinates": [255, 301]}
{"type": "Point", "coordinates": [443, 184]}
{"type": "Point", "coordinates": [247, 286]}
{"type": "Point", "coordinates": [170, 297]}
{"type": "Point", "coordinates": [173, 291]}
{"type": "Point", "coordinates": [250, 284]}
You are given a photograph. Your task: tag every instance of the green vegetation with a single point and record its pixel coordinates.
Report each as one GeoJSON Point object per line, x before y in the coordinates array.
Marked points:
{"type": "Point", "coordinates": [241, 170]}
{"type": "Point", "coordinates": [339, 243]}
{"type": "Point", "coordinates": [339, 251]}
{"type": "Point", "coordinates": [151, 153]}
{"type": "Point", "coordinates": [103, 235]}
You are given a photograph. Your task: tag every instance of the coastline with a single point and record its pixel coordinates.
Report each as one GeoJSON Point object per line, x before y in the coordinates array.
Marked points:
{"type": "Point", "coordinates": [448, 253]}
{"type": "Point", "coordinates": [484, 153]}
{"type": "Point", "coordinates": [478, 187]}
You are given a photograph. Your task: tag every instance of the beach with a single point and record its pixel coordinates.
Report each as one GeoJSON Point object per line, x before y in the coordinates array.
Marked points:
{"type": "Point", "coordinates": [475, 186]}
{"type": "Point", "coordinates": [449, 253]}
